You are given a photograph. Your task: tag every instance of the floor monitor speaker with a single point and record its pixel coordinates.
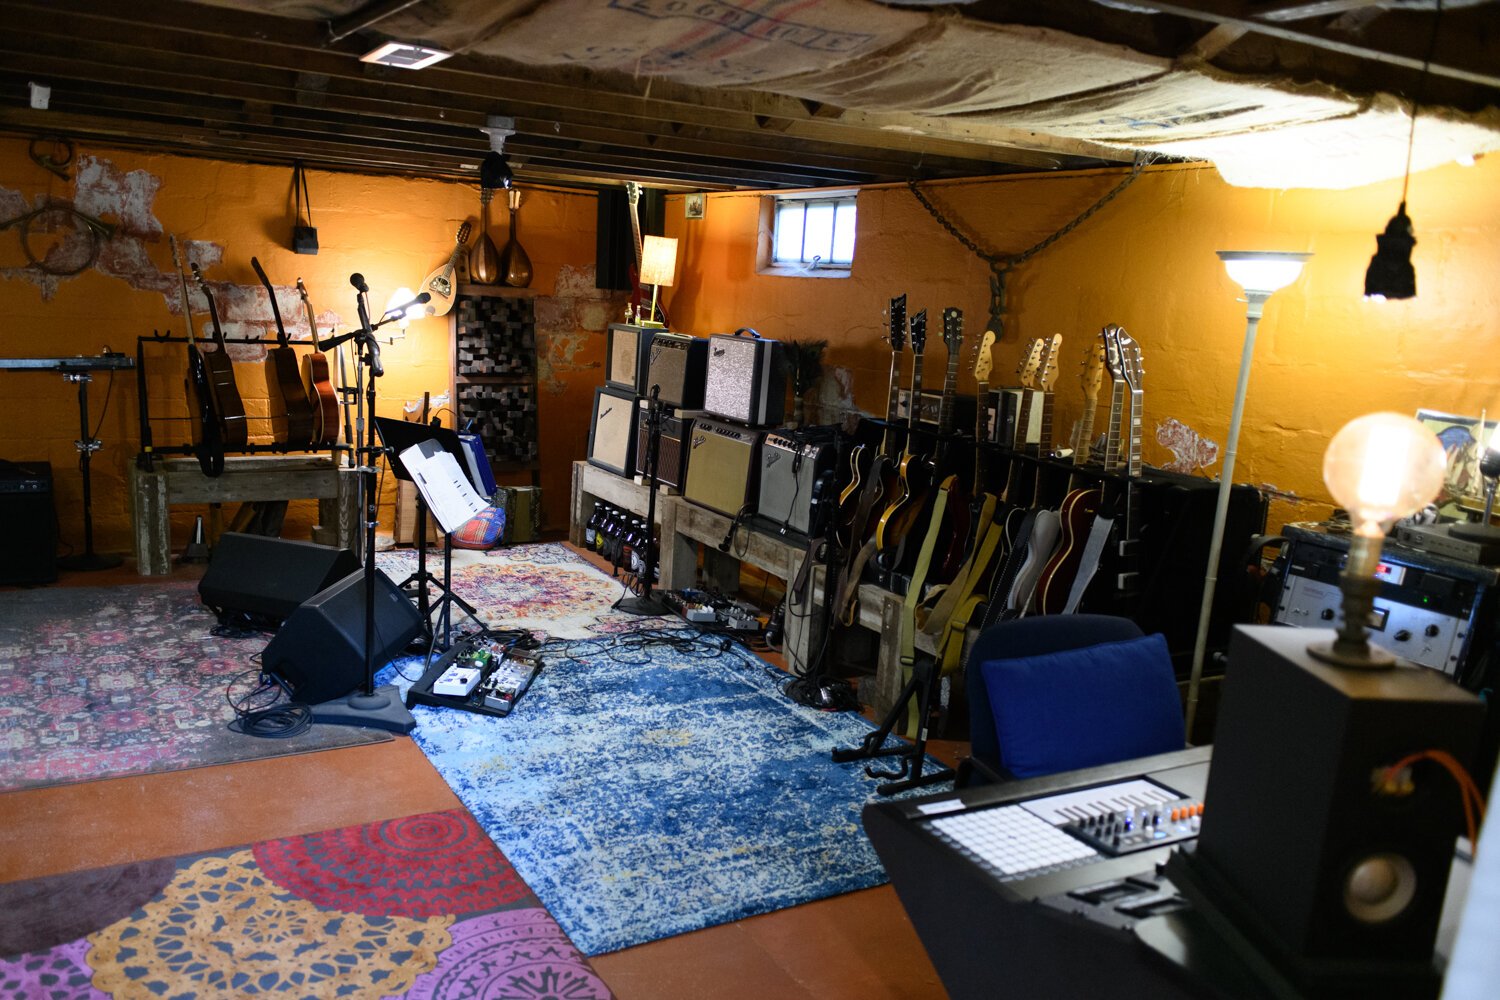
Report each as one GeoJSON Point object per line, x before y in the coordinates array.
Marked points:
{"type": "Point", "coordinates": [267, 578]}
{"type": "Point", "coordinates": [28, 523]}
{"type": "Point", "coordinates": [612, 432]}
{"type": "Point", "coordinates": [320, 650]}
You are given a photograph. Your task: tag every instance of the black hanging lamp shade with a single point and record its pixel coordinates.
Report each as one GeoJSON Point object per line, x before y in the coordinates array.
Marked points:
{"type": "Point", "coordinates": [1391, 275]}
{"type": "Point", "coordinates": [494, 171]}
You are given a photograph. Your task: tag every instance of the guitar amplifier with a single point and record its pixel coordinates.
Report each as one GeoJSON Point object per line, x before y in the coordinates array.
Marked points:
{"type": "Point", "coordinates": [789, 469]}
{"type": "Point", "coordinates": [671, 463]}
{"type": "Point", "coordinates": [679, 364]}
{"type": "Point", "coordinates": [28, 523]}
{"type": "Point", "coordinates": [628, 357]}
{"type": "Point", "coordinates": [723, 467]}
{"type": "Point", "coordinates": [746, 379]}
{"type": "Point", "coordinates": [612, 432]}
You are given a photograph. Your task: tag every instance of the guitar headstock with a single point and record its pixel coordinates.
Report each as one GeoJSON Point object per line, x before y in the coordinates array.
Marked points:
{"type": "Point", "coordinates": [1130, 360]}
{"type": "Point", "coordinates": [898, 322]}
{"type": "Point", "coordinates": [1031, 361]}
{"type": "Point", "coordinates": [1092, 376]}
{"type": "Point", "coordinates": [1051, 349]}
{"type": "Point", "coordinates": [982, 362]}
{"type": "Point", "coordinates": [463, 234]}
{"type": "Point", "coordinates": [176, 254]}
{"type": "Point", "coordinates": [198, 276]}
{"type": "Point", "coordinates": [1110, 336]}
{"type": "Point", "coordinates": [919, 333]}
{"type": "Point", "coordinates": [633, 192]}
{"type": "Point", "coordinates": [302, 291]}
{"type": "Point", "coordinates": [953, 330]}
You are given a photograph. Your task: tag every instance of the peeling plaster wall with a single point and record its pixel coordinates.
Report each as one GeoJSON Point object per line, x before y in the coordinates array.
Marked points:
{"type": "Point", "coordinates": [393, 230]}
{"type": "Point", "coordinates": [1146, 261]}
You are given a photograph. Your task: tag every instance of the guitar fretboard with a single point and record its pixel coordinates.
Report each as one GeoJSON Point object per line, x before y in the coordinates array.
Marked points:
{"type": "Point", "coordinates": [950, 386]}
{"type": "Point", "coordinates": [1136, 397]}
{"type": "Point", "coordinates": [1112, 437]}
{"type": "Point", "coordinates": [893, 403]}
{"type": "Point", "coordinates": [1045, 445]}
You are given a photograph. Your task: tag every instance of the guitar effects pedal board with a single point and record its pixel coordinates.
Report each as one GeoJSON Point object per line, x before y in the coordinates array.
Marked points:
{"type": "Point", "coordinates": [477, 675]}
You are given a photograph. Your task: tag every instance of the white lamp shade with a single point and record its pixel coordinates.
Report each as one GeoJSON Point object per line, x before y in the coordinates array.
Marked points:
{"type": "Point", "coordinates": [1383, 466]}
{"type": "Point", "coordinates": [658, 260]}
{"type": "Point", "coordinates": [1262, 272]}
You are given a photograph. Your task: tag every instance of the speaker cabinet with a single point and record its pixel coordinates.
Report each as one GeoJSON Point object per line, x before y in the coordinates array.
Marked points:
{"type": "Point", "coordinates": [789, 471]}
{"type": "Point", "coordinates": [28, 523]}
{"type": "Point", "coordinates": [266, 578]}
{"type": "Point", "coordinates": [320, 650]}
{"type": "Point", "coordinates": [746, 380]}
{"type": "Point", "coordinates": [671, 461]}
{"type": "Point", "coordinates": [612, 432]}
{"type": "Point", "coordinates": [627, 362]}
{"type": "Point", "coordinates": [679, 364]}
{"type": "Point", "coordinates": [723, 467]}
{"type": "Point", "coordinates": [1314, 859]}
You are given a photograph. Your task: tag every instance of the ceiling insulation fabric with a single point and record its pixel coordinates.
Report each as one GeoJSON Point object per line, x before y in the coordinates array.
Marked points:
{"type": "Point", "coordinates": [954, 65]}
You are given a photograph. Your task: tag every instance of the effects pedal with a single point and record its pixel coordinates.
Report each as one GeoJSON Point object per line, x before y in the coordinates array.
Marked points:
{"type": "Point", "coordinates": [457, 681]}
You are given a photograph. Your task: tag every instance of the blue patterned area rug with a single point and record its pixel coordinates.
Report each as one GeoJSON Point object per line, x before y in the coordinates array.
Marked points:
{"type": "Point", "coordinates": [647, 792]}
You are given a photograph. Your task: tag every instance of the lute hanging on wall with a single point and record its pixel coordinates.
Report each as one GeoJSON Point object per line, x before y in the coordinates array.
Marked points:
{"type": "Point", "coordinates": [515, 265]}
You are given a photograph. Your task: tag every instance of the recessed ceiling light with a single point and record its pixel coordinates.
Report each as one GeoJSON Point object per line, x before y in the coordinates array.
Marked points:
{"type": "Point", "coordinates": [404, 55]}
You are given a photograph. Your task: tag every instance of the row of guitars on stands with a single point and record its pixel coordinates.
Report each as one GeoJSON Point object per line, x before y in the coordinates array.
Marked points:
{"type": "Point", "coordinates": [920, 507]}
{"type": "Point", "coordinates": [216, 410]}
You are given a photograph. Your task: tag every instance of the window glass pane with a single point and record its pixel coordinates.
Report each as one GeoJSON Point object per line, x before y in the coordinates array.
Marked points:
{"type": "Point", "coordinates": [818, 241]}
{"type": "Point", "coordinates": [789, 231]}
{"type": "Point", "coordinates": [843, 234]}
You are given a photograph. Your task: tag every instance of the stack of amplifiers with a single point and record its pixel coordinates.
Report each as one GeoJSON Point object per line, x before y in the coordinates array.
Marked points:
{"type": "Point", "coordinates": [671, 458]}
{"type": "Point", "coordinates": [678, 364]}
{"type": "Point", "coordinates": [29, 521]}
{"type": "Point", "coordinates": [790, 468]}
{"type": "Point", "coordinates": [612, 431]}
{"type": "Point", "coordinates": [723, 467]}
{"type": "Point", "coordinates": [746, 379]}
{"type": "Point", "coordinates": [628, 360]}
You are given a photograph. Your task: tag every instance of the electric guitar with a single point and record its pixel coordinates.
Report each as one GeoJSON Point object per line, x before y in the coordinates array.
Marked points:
{"type": "Point", "coordinates": [440, 284]}
{"type": "Point", "coordinates": [1020, 401]}
{"type": "Point", "coordinates": [869, 484]}
{"type": "Point", "coordinates": [1123, 359]}
{"type": "Point", "coordinates": [208, 442]}
{"type": "Point", "coordinates": [319, 382]}
{"type": "Point", "coordinates": [282, 360]}
{"type": "Point", "coordinates": [1045, 524]}
{"type": "Point", "coordinates": [910, 474]}
{"type": "Point", "coordinates": [228, 407]}
{"type": "Point", "coordinates": [953, 545]}
{"type": "Point", "coordinates": [983, 365]}
{"type": "Point", "coordinates": [640, 295]}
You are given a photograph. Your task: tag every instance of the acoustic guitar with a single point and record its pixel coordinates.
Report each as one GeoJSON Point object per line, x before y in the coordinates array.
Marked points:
{"type": "Point", "coordinates": [441, 283]}
{"type": "Point", "coordinates": [318, 381]}
{"type": "Point", "coordinates": [870, 481]}
{"type": "Point", "coordinates": [207, 441]}
{"type": "Point", "coordinates": [228, 407]}
{"type": "Point", "coordinates": [282, 360]}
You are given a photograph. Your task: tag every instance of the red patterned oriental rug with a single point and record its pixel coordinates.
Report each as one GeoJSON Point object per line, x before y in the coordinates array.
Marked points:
{"type": "Point", "coordinates": [424, 906]}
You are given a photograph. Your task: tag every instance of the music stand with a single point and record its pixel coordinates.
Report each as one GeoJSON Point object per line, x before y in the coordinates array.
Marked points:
{"type": "Point", "coordinates": [396, 436]}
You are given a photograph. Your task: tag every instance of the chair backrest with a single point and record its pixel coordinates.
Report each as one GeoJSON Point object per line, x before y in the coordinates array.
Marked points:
{"type": "Point", "coordinates": [1110, 695]}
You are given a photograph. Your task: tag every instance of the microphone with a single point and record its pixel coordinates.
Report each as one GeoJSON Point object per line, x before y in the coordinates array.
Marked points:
{"type": "Point", "coordinates": [358, 281]}
{"type": "Point", "coordinates": [424, 298]}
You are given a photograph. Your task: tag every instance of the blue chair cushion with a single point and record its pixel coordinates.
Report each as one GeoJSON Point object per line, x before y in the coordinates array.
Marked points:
{"type": "Point", "coordinates": [1083, 707]}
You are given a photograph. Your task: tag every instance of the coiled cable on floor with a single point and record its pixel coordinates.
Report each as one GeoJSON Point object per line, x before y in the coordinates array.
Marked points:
{"type": "Point", "coordinates": [258, 712]}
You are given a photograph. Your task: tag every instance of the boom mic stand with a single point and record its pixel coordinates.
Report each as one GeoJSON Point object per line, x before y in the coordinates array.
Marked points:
{"type": "Point", "coordinates": [370, 707]}
{"type": "Point", "coordinates": [646, 604]}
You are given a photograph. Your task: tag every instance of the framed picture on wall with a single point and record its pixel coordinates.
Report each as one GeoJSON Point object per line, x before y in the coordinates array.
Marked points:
{"type": "Point", "coordinates": [1464, 439]}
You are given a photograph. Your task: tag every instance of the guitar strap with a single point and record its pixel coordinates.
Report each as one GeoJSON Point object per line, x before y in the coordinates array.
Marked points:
{"type": "Point", "coordinates": [934, 620]}
{"type": "Point", "coordinates": [909, 605]}
{"type": "Point", "coordinates": [848, 598]}
{"type": "Point", "coordinates": [1092, 552]}
{"type": "Point", "coordinates": [948, 630]}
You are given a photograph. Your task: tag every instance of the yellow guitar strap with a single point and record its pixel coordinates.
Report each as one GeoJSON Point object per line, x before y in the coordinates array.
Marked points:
{"type": "Point", "coordinates": [932, 620]}
{"type": "Point", "coordinates": [950, 646]}
{"type": "Point", "coordinates": [913, 592]}
{"type": "Point", "coordinates": [847, 607]}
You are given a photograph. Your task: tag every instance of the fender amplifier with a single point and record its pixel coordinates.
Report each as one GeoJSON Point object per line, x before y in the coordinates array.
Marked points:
{"type": "Point", "coordinates": [789, 469]}
{"type": "Point", "coordinates": [746, 379]}
{"type": "Point", "coordinates": [626, 363]}
{"type": "Point", "coordinates": [671, 463]}
{"type": "Point", "coordinates": [679, 364]}
{"type": "Point", "coordinates": [612, 431]}
{"type": "Point", "coordinates": [722, 467]}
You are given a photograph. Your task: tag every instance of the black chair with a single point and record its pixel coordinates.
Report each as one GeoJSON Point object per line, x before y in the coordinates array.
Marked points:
{"type": "Point", "coordinates": [1018, 657]}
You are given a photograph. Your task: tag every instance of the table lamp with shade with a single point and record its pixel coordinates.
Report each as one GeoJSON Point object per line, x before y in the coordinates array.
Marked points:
{"type": "Point", "coordinates": [658, 268]}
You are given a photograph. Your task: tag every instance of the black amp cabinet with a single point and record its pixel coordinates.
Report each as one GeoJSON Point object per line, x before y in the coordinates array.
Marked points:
{"type": "Point", "coordinates": [30, 523]}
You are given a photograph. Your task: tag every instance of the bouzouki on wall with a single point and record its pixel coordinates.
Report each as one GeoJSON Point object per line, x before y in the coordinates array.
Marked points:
{"type": "Point", "coordinates": [442, 283]}
{"type": "Point", "coordinates": [319, 382]}
{"type": "Point", "coordinates": [282, 360]}
{"type": "Point", "coordinates": [228, 406]}
{"type": "Point", "coordinates": [208, 442]}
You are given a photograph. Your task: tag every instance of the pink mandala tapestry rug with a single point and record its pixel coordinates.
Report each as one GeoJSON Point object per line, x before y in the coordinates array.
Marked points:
{"type": "Point", "coordinates": [98, 682]}
{"type": "Point", "coordinates": [424, 906]}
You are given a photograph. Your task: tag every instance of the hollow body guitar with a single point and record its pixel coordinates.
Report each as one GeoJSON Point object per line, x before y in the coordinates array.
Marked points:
{"type": "Point", "coordinates": [228, 407]}
{"type": "Point", "coordinates": [442, 283]}
{"type": "Point", "coordinates": [1045, 524]}
{"type": "Point", "coordinates": [872, 480]}
{"type": "Point", "coordinates": [319, 382]}
{"type": "Point", "coordinates": [287, 374]}
{"type": "Point", "coordinates": [1080, 506]}
{"type": "Point", "coordinates": [208, 442]}
{"type": "Point", "coordinates": [913, 471]}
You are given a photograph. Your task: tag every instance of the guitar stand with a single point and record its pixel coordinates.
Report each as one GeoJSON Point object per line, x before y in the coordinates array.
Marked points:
{"type": "Point", "coordinates": [913, 756]}
{"type": "Point", "coordinates": [87, 445]}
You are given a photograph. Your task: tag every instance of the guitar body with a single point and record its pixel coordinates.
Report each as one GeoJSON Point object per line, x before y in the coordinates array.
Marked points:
{"type": "Point", "coordinates": [228, 408]}
{"type": "Point", "coordinates": [320, 388]}
{"type": "Point", "coordinates": [441, 284]}
{"type": "Point", "coordinates": [288, 377]}
{"type": "Point", "coordinates": [1056, 581]}
{"type": "Point", "coordinates": [1045, 532]}
{"type": "Point", "coordinates": [208, 443]}
{"type": "Point", "coordinates": [898, 515]}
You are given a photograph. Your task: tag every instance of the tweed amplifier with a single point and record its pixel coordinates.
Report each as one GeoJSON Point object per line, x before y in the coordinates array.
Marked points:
{"type": "Point", "coordinates": [671, 462]}
{"type": "Point", "coordinates": [627, 361]}
{"type": "Point", "coordinates": [746, 379]}
{"type": "Point", "coordinates": [679, 364]}
{"type": "Point", "coordinates": [612, 432]}
{"type": "Point", "coordinates": [723, 467]}
{"type": "Point", "coordinates": [789, 470]}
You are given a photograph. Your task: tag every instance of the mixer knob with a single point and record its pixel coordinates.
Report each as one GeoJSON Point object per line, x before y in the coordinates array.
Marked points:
{"type": "Point", "coordinates": [1403, 635]}
{"type": "Point", "coordinates": [1431, 631]}
{"type": "Point", "coordinates": [1326, 614]}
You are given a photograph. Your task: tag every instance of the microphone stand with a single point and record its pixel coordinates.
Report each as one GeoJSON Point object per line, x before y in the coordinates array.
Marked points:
{"type": "Point", "coordinates": [369, 707]}
{"type": "Point", "coordinates": [647, 604]}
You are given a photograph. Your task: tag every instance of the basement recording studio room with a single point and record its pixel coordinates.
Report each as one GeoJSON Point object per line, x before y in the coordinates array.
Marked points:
{"type": "Point", "coordinates": [758, 499]}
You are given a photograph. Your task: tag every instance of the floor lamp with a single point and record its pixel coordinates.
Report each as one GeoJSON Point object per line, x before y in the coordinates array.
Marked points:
{"type": "Point", "coordinates": [1259, 274]}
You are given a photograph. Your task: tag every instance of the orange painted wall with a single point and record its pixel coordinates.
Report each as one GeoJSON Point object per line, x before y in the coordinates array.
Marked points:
{"type": "Point", "coordinates": [393, 230]}
{"type": "Point", "coordinates": [1146, 261]}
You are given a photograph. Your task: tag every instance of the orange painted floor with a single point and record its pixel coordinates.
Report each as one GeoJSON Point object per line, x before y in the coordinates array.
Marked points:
{"type": "Point", "coordinates": [859, 945]}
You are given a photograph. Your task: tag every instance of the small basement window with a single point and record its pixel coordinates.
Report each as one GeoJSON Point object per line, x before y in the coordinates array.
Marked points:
{"type": "Point", "coordinates": [810, 235]}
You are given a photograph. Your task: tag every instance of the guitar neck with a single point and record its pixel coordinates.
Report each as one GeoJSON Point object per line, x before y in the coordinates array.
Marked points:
{"type": "Point", "coordinates": [1134, 468]}
{"type": "Point", "coordinates": [893, 403]}
{"type": "Point", "coordinates": [914, 403]}
{"type": "Point", "coordinates": [950, 387]}
{"type": "Point", "coordinates": [981, 431]}
{"type": "Point", "coordinates": [1112, 438]}
{"type": "Point", "coordinates": [1084, 451]}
